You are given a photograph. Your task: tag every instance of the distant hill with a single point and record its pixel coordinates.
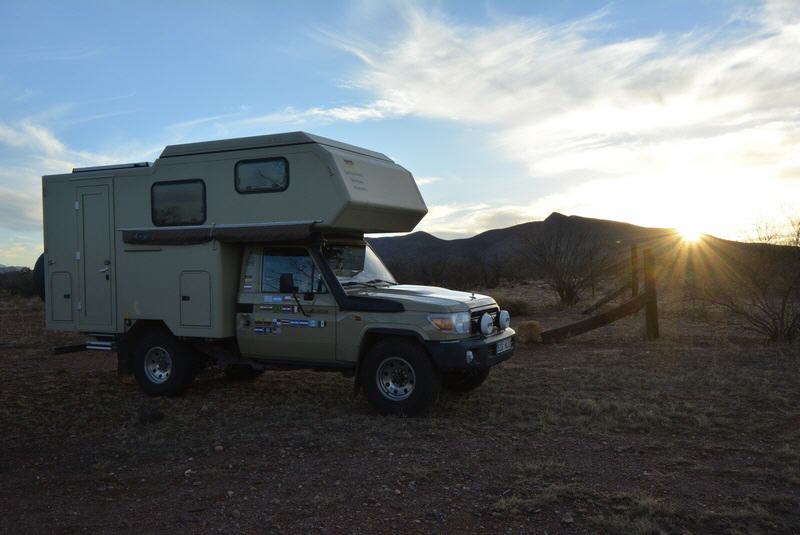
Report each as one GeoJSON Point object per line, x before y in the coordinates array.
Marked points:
{"type": "Point", "coordinates": [502, 241]}
{"type": "Point", "coordinates": [9, 269]}
{"type": "Point", "coordinates": [504, 253]}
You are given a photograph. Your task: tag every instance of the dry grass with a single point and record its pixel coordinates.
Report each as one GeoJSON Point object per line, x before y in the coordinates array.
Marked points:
{"type": "Point", "coordinates": [697, 432]}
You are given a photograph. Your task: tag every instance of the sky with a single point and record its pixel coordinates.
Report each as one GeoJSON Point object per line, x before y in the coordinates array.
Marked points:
{"type": "Point", "coordinates": [678, 114]}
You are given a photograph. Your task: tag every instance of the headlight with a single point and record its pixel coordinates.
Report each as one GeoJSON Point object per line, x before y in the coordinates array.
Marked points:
{"type": "Point", "coordinates": [451, 323]}
{"type": "Point", "coordinates": [487, 324]}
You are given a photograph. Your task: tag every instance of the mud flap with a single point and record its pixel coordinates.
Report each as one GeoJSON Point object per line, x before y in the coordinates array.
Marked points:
{"type": "Point", "coordinates": [124, 356]}
{"type": "Point", "coordinates": [357, 380]}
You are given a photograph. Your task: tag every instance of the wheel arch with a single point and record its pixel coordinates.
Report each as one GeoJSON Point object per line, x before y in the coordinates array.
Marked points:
{"type": "Point", "coordinates": [374, 335]}
{"type": "Point", "coordinates": [127, 342]}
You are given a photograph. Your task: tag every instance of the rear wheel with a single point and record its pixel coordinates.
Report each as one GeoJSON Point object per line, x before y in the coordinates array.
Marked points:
{"type": "Point", "coordinates": [242, 372]}
{"type": "Point", "coordinates": [38, 277]}
{"type": "Point", "coordinates": [399, 378]}
{"type": "Point", "coordinates": [163, 366]}
{"type": "Point", "coordinates": [465, 381]}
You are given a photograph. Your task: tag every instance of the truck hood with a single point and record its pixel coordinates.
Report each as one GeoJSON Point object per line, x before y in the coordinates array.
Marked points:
{"type": "Point", "coordinates": [427, 298]}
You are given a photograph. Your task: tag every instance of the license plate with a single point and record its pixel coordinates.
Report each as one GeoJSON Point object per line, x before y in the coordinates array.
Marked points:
{"type": "Point", "coordinates": [503, 346]}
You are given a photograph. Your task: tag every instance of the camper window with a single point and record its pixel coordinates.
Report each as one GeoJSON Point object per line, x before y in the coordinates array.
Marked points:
{"type": "Point", "coordinates": [258, 176]}
{"type": "Point", "coordinates": [290, 263]}
{"type": "Point", "coordinates": [179, 202]}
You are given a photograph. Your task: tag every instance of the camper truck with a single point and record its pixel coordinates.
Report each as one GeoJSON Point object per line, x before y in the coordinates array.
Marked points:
{"type": "Point", "coordinates": [250, 254]}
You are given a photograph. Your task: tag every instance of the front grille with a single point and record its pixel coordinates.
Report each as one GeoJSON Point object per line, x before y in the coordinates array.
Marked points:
{"type": "Point", "coordinates": [475, 319]}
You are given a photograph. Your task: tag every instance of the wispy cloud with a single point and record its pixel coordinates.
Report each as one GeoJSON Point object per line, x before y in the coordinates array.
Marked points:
{"type": "Point", "coordinates": [56, 53]}
{"type": "Point", "coordinates": [426, 180]}
{"type": "Point", "coordinates": [461, 220]}
{"type": "Point", "coordinates": [684, 115]}
{"type": "Point", "coordinates": [379, 109]}
{"type": "Point", "coordinates": [26, 134]}
{"type": "Point", "coordinates": [33, 149]}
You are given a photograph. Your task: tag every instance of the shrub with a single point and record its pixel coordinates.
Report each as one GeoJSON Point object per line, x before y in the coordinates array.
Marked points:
{"type": "Point", "coordinates": [515, 307]}
{"type": "Point", "coordinates": [17, 283]}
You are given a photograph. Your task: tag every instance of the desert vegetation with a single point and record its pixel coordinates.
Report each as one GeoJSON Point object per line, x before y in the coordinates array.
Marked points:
{"type": "Point", "coordinates": [17, 282]}
{"type": "Point", "coordinates": [761, 286]}
{"type": "Point", "coordinates": [579, 260]}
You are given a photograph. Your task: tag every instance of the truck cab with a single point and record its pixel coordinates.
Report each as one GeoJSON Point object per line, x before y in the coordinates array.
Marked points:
{"type": "Point", "coordinates": [331, 303]}
{"type": "Point", "coordinates": [250, 254]}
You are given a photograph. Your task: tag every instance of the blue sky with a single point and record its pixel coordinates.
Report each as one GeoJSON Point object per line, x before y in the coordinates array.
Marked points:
{"type": "Point", "coordinates": [680, 114]}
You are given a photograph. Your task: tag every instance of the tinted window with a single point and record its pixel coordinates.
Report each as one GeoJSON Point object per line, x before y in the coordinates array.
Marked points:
{"type": "Point", "coordinates": [295, 261]}
{"type": "Point", "coordinates": [256, 176]}
{"type": "Point", "coordinates": [179, 203]}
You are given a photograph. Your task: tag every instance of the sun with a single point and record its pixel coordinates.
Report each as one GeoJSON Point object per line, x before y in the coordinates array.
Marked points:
{"type": "Point", "coordinates": [690, 233]}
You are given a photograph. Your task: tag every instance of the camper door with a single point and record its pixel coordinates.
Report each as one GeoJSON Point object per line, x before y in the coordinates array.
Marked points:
{"type": "Point", "coordinates": [95, 256]}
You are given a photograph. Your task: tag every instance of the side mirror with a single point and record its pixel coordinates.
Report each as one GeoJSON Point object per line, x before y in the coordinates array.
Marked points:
{"type": "Point", "coordinates": [287, 284]}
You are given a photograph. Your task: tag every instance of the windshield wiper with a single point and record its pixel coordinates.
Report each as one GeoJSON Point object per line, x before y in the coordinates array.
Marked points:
{"type": "Point", "coordinates": [373, 281]}
{"type": "Point", "coordinates": [359, 283]}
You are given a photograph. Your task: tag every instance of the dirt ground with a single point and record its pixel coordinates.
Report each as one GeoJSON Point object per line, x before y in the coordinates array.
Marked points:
{"type": "Point", "coordinates": [698, 432]}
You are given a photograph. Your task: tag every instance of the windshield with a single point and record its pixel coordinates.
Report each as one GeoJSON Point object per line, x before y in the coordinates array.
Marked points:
{"type": "Point", "coordinates": [357, 265]}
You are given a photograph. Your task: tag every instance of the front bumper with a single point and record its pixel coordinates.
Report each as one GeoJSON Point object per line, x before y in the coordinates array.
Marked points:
{"type": "Point", "coordinates": [451, 355]}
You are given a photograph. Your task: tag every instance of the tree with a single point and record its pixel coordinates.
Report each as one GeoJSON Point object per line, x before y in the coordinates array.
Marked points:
{"type": "Point", "coordinates": [570, 260]}
{"type": "Point", "coordinates": [760, 284]}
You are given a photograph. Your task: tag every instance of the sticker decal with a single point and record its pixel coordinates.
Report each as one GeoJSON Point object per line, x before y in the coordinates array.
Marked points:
{"type": "Point", "coordinates": [265, 327]}
{"type": "Point", "coordinates": [295, 323]}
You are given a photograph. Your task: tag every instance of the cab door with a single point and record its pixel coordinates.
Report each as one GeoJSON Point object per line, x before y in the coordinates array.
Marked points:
{"type": "Point", "coordinates": [293, 315]}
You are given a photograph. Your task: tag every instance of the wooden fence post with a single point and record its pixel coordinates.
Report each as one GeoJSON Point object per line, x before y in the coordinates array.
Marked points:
{"type": "Point", "coordinates": [634, 270]}
{"type": "Point", "coordinates": [651, 309]}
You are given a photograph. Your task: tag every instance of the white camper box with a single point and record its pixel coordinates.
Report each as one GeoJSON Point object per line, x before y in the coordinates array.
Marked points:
{"type": "Point", "coordinates": [112, 258]}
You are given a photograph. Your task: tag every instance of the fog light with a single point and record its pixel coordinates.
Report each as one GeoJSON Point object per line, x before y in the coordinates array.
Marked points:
{"type": "Point", "coordinates": [470, 357]}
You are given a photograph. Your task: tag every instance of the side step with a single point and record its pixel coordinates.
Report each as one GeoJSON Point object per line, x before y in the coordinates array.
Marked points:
{"type": "Point", "coordinates": [103, 344]}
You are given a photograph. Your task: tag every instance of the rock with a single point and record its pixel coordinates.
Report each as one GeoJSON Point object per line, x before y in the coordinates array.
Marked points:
{"type": "Point", "coordinates": [567, 519]}
{"type": "Point", "coordinates": [230, 493]}
{"type": "Point", "coordinates": [219, 447]}
{"type": "Point", "coordinates": [236, 513]}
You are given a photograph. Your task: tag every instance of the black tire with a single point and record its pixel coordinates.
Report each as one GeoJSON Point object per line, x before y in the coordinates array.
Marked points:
{"type": "Point", "coordinates": [38, 277]}
{"type": "Point", "coordinates": [465, 381]}
{"type": "Point", "coordinates": [397, 356]}
{"type": "Point", "coordinates": [150, 366]}
{"type": "Point", "coordinates": [242, 372]}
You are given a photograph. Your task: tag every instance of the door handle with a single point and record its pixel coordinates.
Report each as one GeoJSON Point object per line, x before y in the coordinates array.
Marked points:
{"type": "Point", "coordinates": [103, 270]}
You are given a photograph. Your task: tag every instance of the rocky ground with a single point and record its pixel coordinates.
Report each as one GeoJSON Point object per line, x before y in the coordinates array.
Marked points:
{"type": "Point", "coordinates": [698, 432]}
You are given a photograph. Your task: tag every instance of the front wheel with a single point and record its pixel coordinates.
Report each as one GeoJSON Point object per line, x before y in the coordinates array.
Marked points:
{"type": "Point", "coordinates": [465, 381]}
{"type": "Point", "coordinates": [162, 366]}
{"type": "Point", "coordinates": [399, 378]}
